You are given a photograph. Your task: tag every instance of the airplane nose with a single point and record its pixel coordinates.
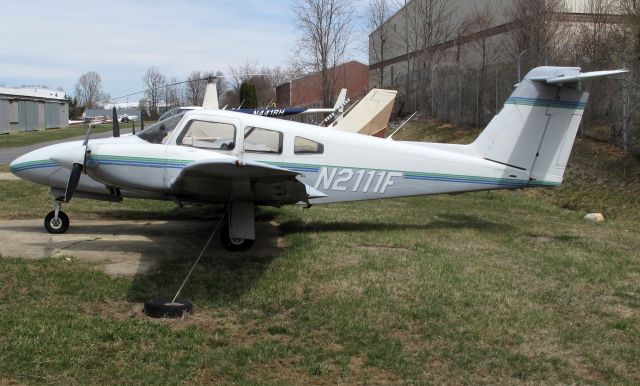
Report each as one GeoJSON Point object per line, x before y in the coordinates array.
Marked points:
{"type": "Point", "coordinates": [70, 157]}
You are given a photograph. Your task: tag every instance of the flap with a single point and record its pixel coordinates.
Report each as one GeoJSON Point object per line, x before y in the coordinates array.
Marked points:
{"type": "Point", "coordinates": [234, 168]}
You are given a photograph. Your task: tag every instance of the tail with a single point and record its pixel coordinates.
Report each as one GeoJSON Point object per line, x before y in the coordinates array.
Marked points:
{"type": "Point", "coordinates": [371, 115]}
{"type": "Point", "coordinates": [536, 129]}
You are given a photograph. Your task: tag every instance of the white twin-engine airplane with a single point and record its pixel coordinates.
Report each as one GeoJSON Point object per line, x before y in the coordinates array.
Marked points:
{"type": "Point", "coordinates": [217, 156]}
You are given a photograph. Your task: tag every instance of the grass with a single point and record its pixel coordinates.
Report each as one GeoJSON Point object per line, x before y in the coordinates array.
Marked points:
{"type": "Point", "coordinates": [477, 288]}
{"type": "Point", "coordinates": [33, 137]}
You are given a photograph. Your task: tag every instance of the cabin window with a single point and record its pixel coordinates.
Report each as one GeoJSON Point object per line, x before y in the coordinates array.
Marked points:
{"type": "Point", "coordinates": [257, 140]}
{"type": "Point", "coordinates": [307, 146]}
{"type": "Point", "coordinates": [209, 135]}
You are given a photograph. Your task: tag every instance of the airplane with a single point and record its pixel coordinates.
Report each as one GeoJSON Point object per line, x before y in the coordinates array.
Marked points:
{"type": "Point", "coordinates": [245, 161]}
{"type": "Point", "coordinates": [336, 111]}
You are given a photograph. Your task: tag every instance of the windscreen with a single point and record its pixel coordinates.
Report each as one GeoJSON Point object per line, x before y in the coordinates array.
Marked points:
{"type": "Point", "coordinates": [158, 132]}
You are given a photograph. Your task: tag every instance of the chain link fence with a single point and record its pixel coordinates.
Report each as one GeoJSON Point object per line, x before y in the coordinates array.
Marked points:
{"type": "Point", "coordinates": [471, 96]}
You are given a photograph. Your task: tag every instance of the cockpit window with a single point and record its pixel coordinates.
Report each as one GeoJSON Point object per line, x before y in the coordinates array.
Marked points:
{"type": "Point", "coordinates": [159, 132]}
{"type": "Point", "coordinates": [307, 146]}
{"type": "Point", "coordinates": [208, 135]}
{"type": "Point", "coordinates": [257, 140]}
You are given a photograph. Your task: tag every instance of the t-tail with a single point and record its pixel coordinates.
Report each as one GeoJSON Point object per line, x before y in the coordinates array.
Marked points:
{"type": "Point", "coordinates": [535, 130]}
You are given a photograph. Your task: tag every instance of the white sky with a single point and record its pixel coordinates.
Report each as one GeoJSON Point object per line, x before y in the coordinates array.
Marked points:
{"type": "Point", "coordinates": [54, 42]}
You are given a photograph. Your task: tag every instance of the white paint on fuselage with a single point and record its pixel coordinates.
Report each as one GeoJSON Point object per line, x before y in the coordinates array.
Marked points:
{"type": "Point", "coordinates": [352, 167]}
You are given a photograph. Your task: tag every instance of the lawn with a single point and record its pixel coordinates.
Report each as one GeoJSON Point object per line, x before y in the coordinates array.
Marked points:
{"type": "Point", "coordinates": [33, 137]}
{"type": "Point", "coordinates": [491, 288]}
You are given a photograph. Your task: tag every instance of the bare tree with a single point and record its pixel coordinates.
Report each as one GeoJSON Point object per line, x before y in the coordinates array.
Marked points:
{"type": "Point", "coordinates": [377, 14]}
{"type": "Point", "coordinates": [197, 84]}
{"type": "Point", "coordinates": [88, 90]}
{"type": "Point", "coordinates": [325, 28]}
{"type": "Point", "coordinates": [539, 30]}
{"type": "Point", "coordinates": [174, 93]}
{"type": "Point", "coordinates": [242, 73]}
{"type": "Point", "coordinates": [154, 83]}
{"type": "Point", "coordinates": [429, 23]}
{"type": "Point", "coordinates": [481, 19]}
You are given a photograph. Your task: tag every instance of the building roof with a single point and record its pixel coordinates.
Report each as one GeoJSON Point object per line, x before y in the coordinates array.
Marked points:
{"type": "Point", "coordinates": [33, 93]}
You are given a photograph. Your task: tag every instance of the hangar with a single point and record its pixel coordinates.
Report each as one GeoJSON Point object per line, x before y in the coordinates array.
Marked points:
{"type": "Point", "coordinates": [32, 109]}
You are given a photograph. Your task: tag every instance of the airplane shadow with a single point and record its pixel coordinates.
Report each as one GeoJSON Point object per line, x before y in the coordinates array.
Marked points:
{"type": "Point", "coordinates": [166, 250]}
{"type": "Point", "coordinates": [446, 221]}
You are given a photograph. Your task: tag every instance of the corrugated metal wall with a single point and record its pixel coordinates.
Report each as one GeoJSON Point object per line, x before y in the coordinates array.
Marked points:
{"type": "Point", "coordinates": [4, 116]}
{"type": "Point", "coordinates": [51, 115]}
{"type": "Point", "coordinates": [27, 116]}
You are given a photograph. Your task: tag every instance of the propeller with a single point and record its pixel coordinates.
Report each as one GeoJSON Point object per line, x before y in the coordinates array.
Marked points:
{"type": "Point", "coordinates": [76, 167]}
{"type": "Point", "coordinates": [114, 122]}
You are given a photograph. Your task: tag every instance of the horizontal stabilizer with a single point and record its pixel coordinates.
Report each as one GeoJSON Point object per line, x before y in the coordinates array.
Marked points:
{"type": "Point", "coordinates": [579, 76]}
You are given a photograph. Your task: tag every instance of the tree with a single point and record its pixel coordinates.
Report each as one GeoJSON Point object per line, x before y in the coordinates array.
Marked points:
{"type": "Point", "coordinates": [75, 110]}
{"type": "Point", "coordinates": [325, 28]}
{"type": "Point", "coordinates": [539, 30]}
{"type": "Point", "coordinates": [154, 83]}
{"type": "Point", "coordinates": [248, 96]}
{"type": "Point", "coordinates": [174, 93]}
{"type": "Point", "coordinates": [88, 90]}
{"type": "Point", "coordinates": [197, 84]}
{"type": "Point", "coordinates": [377, 14]}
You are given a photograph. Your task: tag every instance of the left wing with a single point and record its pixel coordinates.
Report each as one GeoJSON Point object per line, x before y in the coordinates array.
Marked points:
{"type": "Point", "coordinates": [222, 180]}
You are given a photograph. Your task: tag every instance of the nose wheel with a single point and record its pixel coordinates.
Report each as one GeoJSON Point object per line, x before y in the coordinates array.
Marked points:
{"type": "Point", "coordinates": [56, 224]}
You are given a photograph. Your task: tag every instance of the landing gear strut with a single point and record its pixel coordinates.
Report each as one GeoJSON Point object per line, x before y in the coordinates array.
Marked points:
{"type": "Point", "coordinates": [238, 232]}
{"type": "Point", "coordinates": [233, 244]}
{"type": "Point", "coordinates": [56, 221]}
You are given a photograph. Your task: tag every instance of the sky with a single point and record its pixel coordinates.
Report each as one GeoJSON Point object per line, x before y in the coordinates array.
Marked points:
{"type": "Point", "coordinates": [52, 43]}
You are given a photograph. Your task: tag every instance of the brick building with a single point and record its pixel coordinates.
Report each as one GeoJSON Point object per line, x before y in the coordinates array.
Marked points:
{"type": "Point", "coordinates": [306, 91]}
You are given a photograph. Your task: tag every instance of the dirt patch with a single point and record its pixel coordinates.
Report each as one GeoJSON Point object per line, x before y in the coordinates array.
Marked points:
{"type": "Point", "coordinates": [127, 248]}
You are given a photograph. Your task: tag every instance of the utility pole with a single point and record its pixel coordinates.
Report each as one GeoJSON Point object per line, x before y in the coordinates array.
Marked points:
{"type": "Point", "coordinates": [433, 91]}
{"type": "Point", "coordinates": [478, 97]}
{"type": "Point", "coordinates": [519, 62]}
{"type": "Point", "coordinates": [625, 112]}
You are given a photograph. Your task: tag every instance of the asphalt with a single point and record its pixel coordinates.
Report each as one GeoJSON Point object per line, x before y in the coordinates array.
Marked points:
{"type": "Point", "coordinates": [128, 248]}
{"type": "Point", "coordinates": [10, 153]}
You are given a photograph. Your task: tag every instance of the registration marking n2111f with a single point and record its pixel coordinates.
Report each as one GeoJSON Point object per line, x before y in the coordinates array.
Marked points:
{"type": "Point", "coordinates": [345, 179]}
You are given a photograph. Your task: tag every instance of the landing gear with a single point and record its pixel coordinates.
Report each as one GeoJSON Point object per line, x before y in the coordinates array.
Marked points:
{"type": "Point", "coordinates": [56, 224]}
{"type": "Point", "coordinates": [56, 221]}
{"type": "Point", "coordinates": [234, 244]}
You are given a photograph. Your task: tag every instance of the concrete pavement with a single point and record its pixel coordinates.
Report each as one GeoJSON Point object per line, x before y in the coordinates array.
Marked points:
{"type": "Point", "coordinates": [127, 248]}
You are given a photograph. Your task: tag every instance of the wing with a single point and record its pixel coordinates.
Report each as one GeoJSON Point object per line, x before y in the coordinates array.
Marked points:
{"type": "Point", "coordinates": [223, 180]}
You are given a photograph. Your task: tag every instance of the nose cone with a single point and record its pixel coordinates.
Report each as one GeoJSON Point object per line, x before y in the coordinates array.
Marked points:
{"type": "Point", "coordinates": [28, 162]}
{"type": "Point", "coordinates": [69, 157]}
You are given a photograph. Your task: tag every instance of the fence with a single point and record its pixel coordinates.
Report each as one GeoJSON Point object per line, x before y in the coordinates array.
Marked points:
{"type": "Point", "coordinates": [471, 96]}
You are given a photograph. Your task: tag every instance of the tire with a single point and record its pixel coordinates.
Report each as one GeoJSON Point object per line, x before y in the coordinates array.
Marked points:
{"type": "Point", "coordinates": [163, 308]}
{"type": "Point", "coordinates": [124, 120]}
{"type": "Point", "coordinates": [234, 245]}
{"type": "Point", "coordinates": [56, 226]}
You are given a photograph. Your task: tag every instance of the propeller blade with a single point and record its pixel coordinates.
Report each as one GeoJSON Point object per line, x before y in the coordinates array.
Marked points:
{"type": "Point", "coordinates": [114, 122]}
{"type": "Point", "coordinates": [74, 178]}
{"type": "Point", "coordinates": [86, 137]}
{"type": "Point", "coordinates": [141, 121]}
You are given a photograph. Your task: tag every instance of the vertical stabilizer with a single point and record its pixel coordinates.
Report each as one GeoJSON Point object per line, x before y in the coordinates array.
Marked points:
{"type": "Point", "coordinates": [211, 96]}
{"type": "Point", "coordinates": [371, 115]}
{"type": "Point", "coordinates": [535, 130]}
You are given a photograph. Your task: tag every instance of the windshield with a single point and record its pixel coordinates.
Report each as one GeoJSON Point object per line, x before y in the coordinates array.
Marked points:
{"type": "Point", "coordinates": [169, 113]}
{"type": "Point", "coordinates": [159, 132]}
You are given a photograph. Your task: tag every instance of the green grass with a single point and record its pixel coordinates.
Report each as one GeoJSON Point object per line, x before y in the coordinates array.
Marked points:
{"type": "Point", "coordinates": [4, 168]}
{"type": "Point", "coordinates": [455, 289]}
{"type": "Point", "coordinates": [33, 137]}
{"type": "Point", "coordinates": [477, 288]}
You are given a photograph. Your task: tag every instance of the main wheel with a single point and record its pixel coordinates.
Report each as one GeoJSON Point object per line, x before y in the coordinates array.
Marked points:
{"type": "Point", "coordinates": [234, 245]}
{"type": "Point", "coordinates": [57, 225]}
